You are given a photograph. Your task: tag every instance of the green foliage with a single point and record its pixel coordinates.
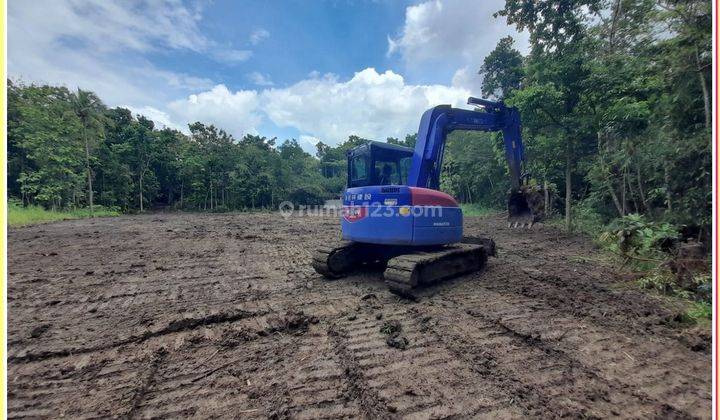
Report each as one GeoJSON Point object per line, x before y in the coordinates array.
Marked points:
{"type": "Point", "coordinates": [502, 70]}
{"type": "Point", "coordinates": [611, 109]}
{"type": "Point", "coordinates": [700, 311]}
{"type": "Point", "coordinates": [635, 235]}
{"type": "Point", "coordinates": [587, 219]}
{"type": "Point", "coordinates": [30, 215]}
{"type": "Point", "coordinates": [474, 169]}
{"type": "Point", "coordinates": [699, 295]}
{"type": "Point", "coordinates": [475, 210]}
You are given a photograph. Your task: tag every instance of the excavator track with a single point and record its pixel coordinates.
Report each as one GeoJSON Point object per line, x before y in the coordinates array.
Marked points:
{"type": "Point", "coordinates": [407, 272]}
{"type": "Point", "coordinates": [337, 260]}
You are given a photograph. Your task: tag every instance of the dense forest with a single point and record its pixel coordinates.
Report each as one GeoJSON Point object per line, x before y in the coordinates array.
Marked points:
{"type": "Point", "coordinates": [67, 149]}
{"type": "Point", "coordinates": [614, 96]}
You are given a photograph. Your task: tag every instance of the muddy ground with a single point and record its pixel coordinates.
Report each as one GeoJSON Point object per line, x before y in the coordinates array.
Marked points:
{"type": "Point", "coordinates": [187, 315]}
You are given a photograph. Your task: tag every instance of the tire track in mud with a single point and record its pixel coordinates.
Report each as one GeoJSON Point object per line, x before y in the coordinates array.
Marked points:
{"type": "Point", "coordinates": [369, 401]}
{"type": "Point", "coordinates": [424, 380]}
{"type": "Point", "coordinates": [145, 383]}
{"type": "Point", "coordinates": [558, 378]}
{"type": "Point", "coordinates": [175, 326]}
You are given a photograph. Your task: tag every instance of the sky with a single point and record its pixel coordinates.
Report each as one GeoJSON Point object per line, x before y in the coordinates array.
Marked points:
{"type": "Point", "coordinates": [308, 70]}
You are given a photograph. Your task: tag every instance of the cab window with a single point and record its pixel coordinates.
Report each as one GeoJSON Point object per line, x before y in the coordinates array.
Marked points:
{"type": "Point", "coordinates": [358, 171]}
{"type": "Point", "coordinates": [405, 164]}
{"type": "Point", "coordinates": [387, 172]}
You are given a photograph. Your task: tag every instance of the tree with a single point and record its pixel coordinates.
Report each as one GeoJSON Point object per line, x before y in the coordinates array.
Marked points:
{"type": "Point", "coordinates": [88, 107]}
{"type": "Point", "coordinates": [44, 146]}
{"type": "Point", "coordinates": [502, 70]}
{"type": "Point", "coordinates": [556, 70]}
{"type": "Point", "coordinates": [142, 141]}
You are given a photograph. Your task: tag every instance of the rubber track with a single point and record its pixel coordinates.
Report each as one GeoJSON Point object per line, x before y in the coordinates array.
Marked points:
{"type": "Point", "coordinates": [407, 272]}
{"type": "Point", "coordinates": [335, 261]}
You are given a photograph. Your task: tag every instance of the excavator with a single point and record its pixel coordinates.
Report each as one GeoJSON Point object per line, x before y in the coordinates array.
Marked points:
{"type": "Point", "coordinates": [395, 216]}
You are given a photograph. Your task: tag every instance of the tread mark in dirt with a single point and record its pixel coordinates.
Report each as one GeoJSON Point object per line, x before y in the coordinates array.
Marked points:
{"type": "Point", "coordinates": [585, 392]}
{"type": "Point", "coordinates": [370, 402]}
{"type": "Point", "coordinates": [146, 383]}
{"type": "Point", "coordinates": [414, 382]}
{"type": "Point", "coordinates": [179, 325]}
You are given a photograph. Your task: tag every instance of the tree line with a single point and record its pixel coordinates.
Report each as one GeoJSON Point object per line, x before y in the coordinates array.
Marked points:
{"type": "Point", "coordinates": [67, 149]}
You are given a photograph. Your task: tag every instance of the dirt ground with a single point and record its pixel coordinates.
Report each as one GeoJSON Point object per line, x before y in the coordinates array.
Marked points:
{"type": "Point", "coordinates": [187, 315]}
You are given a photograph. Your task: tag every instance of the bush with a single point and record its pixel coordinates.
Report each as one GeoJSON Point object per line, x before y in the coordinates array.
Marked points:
{"type": "Point", "coordinates": [307, 195]}
{"type": "Point", "coordinates": [635, 235]}
{"type": "Point", "coordinates": [587, 220]}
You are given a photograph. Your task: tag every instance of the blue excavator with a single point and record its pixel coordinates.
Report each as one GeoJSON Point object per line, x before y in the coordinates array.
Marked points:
{"type": "Point", "coordinates": [394, 215]}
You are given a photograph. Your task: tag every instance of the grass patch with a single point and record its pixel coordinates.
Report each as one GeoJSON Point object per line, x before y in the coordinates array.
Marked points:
{"type": "Point", "coordinates": [30, 215]}
{"type": "Point", "coordinates": [699, 311]}
{"type": "Point", "coordinates": [473, 209]}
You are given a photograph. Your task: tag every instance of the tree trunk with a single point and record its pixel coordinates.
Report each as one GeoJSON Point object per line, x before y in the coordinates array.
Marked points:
{"type": "Point", "coordinates": [668, 194]}
{"type": "Point", "coordinates": [141, 191]}
{"type": "Point", "coordinates": [547, 196]}
{"type": "Point", "coordinates": [623, 196]}
{"type": "Point", "coordinates": [706, 94]}
{"type": "Point", "coordinates": [568, 187]}
{"type": "Point", "coordinates": [182, 187]}
{"type": "Point", "coordinates": [644, 200]}
{"type": "Point", "coordinates": [608, 180]}
{"type": "Point", "coordinates": [632, 191]}
{"type": "Point", "coordinates": [89, 172]}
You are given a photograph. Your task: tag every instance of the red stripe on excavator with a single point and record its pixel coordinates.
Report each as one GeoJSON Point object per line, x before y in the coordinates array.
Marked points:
{"type": "Point", "coordinates": [428, 197]}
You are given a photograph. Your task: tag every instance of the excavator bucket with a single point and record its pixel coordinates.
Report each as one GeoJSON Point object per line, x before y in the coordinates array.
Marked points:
{"type": "Point", "coordinates": [526, 205]}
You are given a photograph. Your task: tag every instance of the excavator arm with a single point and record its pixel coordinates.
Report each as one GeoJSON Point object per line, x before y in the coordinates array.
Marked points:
{"type": "Point", "coordinates": [435, 125]}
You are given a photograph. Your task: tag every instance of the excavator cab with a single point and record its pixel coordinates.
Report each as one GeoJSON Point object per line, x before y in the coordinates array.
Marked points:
{"type": "Point", "coordinates": [378, 163]}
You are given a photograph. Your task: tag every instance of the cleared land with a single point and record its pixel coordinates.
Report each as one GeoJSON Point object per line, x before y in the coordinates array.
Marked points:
{"type": "Point", "coordinates": [180, 315]}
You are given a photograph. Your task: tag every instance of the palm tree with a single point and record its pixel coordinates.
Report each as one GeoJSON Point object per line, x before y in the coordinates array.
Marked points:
{"type": "Point", "coordinates": [88, 107]}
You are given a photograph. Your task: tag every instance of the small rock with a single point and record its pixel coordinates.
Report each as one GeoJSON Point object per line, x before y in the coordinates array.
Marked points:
{"type": "Point", "coordinates": [397, 341]}
{"type": "Point", "coordinates": [39, 330]}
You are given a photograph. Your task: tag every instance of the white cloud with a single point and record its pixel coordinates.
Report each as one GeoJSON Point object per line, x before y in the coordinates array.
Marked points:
{"type": "Point", "coordinates": [324, 108]}
{"type": "Point", "coordinates": [371, 105]}
{"type": "Point", "coordinates": [237, 113]}
{"type": "Point", "coordinates": [309, 139]}
{"type": "Point", "coordinates": [231, 56]}
{"type": "Point", "coordinates": [102, 46]}
{"type": "Point", "coordinates": [260, 79]}
{"type": "Point", "coordinates": [258, 36]}
{"type": "Point", "coordinates": [462, 31]}
{"type": "Point", "coordinates": [308, 143]}
{"type": "Point", "coordinates": [106, 26]}
{"type": "Point", "coordinates": [161, 118]}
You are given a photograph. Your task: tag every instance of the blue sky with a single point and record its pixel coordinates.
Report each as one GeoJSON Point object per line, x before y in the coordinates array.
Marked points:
{"type": "Point", "coordinates": [310, 70]}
